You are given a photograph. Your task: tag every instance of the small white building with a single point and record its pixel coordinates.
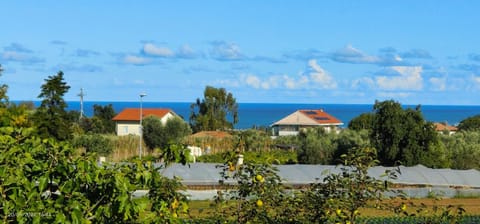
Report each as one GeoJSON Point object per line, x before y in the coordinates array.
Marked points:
{"type": "Point", "coordinates": [302, 119]}
{"type": "Point", "coordinates": [128, 121]}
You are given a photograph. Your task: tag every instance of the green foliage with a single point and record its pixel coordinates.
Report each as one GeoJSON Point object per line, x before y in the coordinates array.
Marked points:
{"type": "Point", "coordinates": [104, 114]}
{"type": "Point", "coordinates": [277, 157]}
{"type": "Point", "coordinates": [253, 193]}
{"type": "Point", "coordinates": [340, 195]}
{"type": "Point", "coordinates": [257, 196]}
{"type": "Point", "coordinates": [253, 140]}
{"type": "Point", "coordinates": [362, 122]}
{"type": "Point", "coordinates": [41, 181]}
{"type": "Point", "coordinates": [159, 135]}
{"type": "Point", "coordinates": [218, 110]}
{"type": "Point", "coordinates": [401, 136]}
{"type": "Point", "coordinates": [51, 118]}
{"type": "Point", "coordinates": [348, 141]}
{"type": "Point", "coordinates": [470, 124]}
{"type": "Point", "coordinates": [464, 149]}
{"type": "Point", "coordinates": [3, 92]}
{"type": "Point", "coordinates": [93, 143]}
{"type": "Point", "coordinates": [316, 147]}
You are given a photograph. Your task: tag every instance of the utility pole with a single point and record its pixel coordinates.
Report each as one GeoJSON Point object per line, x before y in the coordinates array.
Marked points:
{"type": "Point", "coordinates": [141, 127]}
{"type": "Point", "coordinates": [81, 95]}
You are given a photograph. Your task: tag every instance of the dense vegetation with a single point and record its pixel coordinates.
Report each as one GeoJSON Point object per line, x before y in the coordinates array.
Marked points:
{"type": "Point", "coordinates": [43, 178]}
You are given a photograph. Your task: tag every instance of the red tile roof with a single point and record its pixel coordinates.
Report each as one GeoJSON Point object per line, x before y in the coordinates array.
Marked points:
{"type": "Point", "coordinates": [320, 116]}
{"type": "Point", "coordinates": [443, 127]}
{"type": "Point", "coordinates": [309, 118]}
{"type": "Point", "coordinates": [133, 114]}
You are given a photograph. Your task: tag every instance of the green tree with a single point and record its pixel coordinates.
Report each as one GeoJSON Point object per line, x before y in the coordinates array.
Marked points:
{"type": "Point", "coordinates": [464, 149]}
{"type": "Point", "coordinates": [3, 91]}
{"type": "Point", "coordinates": [105, 115]}
{"type": "Point", "coordinates": [362, 122]}
{"type": "Point", "coordinates": [401, 136]}
{"type": "Point", "coordinates": [159, 135]}
{"type": "Point", "coordinates": [470, 124]}
{"type": "Point", "coordinates": [51, 118]}
{"type": "Point", "coordinates": [218, 110]}
{"type": "Point", "coordinates": [316, 146]}
{"type": "Point", "coordinates": [348, 141]}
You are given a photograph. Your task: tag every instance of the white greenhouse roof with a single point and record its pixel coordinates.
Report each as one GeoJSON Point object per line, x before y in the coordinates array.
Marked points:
{"type": "Point", "coordinates": [208, 174]}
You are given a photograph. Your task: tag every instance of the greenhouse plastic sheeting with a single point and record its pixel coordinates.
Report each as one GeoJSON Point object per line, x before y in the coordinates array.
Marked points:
{"type": "Point", "coordinates": [208, 174]}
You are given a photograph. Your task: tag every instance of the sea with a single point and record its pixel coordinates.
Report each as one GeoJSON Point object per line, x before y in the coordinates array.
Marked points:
{"type": "Point", "coordinates": [265, 114]}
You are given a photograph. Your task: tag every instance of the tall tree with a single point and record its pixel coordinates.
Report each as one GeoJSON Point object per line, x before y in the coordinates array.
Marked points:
{"type": "Point", "coordinates": [105, 115]}
{"type": "Point", "coordinates": [218, 110]}
{"type": "Point", "coordinates": [51, 118]}
{"type": "Point", "coordinates": [3, 92]}
{"type": "Point", "coordinates": [402, 136]}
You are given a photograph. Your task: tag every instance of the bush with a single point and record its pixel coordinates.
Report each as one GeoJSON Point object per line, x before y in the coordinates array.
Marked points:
{"type": "Point", "coordinates": [93, 144]}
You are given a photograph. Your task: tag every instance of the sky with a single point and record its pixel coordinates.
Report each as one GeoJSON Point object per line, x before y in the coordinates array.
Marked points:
{"type": "Point", "coordinates": [320, 52]}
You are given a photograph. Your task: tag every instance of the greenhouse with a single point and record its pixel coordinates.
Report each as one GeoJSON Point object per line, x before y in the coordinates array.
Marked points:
{"type": "Point", "coordinates": [202, 179]}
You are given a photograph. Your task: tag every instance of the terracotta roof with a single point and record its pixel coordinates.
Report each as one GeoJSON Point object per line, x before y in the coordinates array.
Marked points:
{"type": "Point", "coordinates": [443, 127]}
{"type": "Point", "coordinates": [214, 134]}
{"type": "Point", "coordinates": [133, 114]}
{"type": "Point", "coordinates": [309, 117]}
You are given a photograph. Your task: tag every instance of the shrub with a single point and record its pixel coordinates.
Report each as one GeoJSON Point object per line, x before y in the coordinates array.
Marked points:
{"type": "Point", "coordinates": [93, 144]}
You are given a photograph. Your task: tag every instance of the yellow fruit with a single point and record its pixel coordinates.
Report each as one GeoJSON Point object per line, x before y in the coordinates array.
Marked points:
{"type": "Point", "coordinates": [174, 204]}
{"type": "Point", "coordinates": [338, 211]}
{"type": "Point", "coordinates": [259, 178]}
{"type": "Point", "coordinates": [404, 207]}
{"type": "Point", "coordinates": [174, 215]}
{"type": "Point", "coordinates": [356, 212]}
{"type": "Point", "coordinates": [259, 203]}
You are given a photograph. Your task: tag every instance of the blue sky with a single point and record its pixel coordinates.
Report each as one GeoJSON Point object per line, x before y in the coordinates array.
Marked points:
{"type": "Point", "coordinates": [348, 52]}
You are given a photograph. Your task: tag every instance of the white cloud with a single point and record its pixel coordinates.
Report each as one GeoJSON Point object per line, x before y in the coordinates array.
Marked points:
{"type": "Point", "coordinates": [135, 60]}
{"type": "Point", "coordinates": [257, 83]}
{"type": "Point", "coordinates": [186, 52]}
{"type": "Point", "coordinates": [253, 81]}
{"type": "Point", "coordinates": [408, 78]}
{"type": "Point", "coordinates": [320, 76]}
{"type": "Point", "coordinates": [226, 51]}
{"type": "Point", "coordinates": [438, 83]}
{"type": "Point", "coordinates": [350, 54]}
{"type": "Point", "coordinates": [295, 83]}
{"type": "Point", "coordinates": [152, 50]}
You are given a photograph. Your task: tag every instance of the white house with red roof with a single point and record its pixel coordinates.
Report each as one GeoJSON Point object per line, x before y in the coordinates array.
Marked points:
{"type": "Point", "coordinates": [128, 121]}
{"type": "Point", "coordinates": [444, 128]}
{"type": "Point", "coordinates": [301, 119]}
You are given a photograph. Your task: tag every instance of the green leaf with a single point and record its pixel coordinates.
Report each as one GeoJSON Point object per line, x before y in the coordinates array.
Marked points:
{"type": "Point", "coordinates": [42, 183]}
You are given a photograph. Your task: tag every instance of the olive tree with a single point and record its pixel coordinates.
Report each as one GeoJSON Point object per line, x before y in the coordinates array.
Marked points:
{"type": "Point", "coordinates": [218, 110]}
{"type": "Point", "coordinates": [159, 135]}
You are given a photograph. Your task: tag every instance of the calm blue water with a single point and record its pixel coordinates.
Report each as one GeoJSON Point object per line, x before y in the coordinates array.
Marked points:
{"type": "Point", "coordinates": [264, 114]}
